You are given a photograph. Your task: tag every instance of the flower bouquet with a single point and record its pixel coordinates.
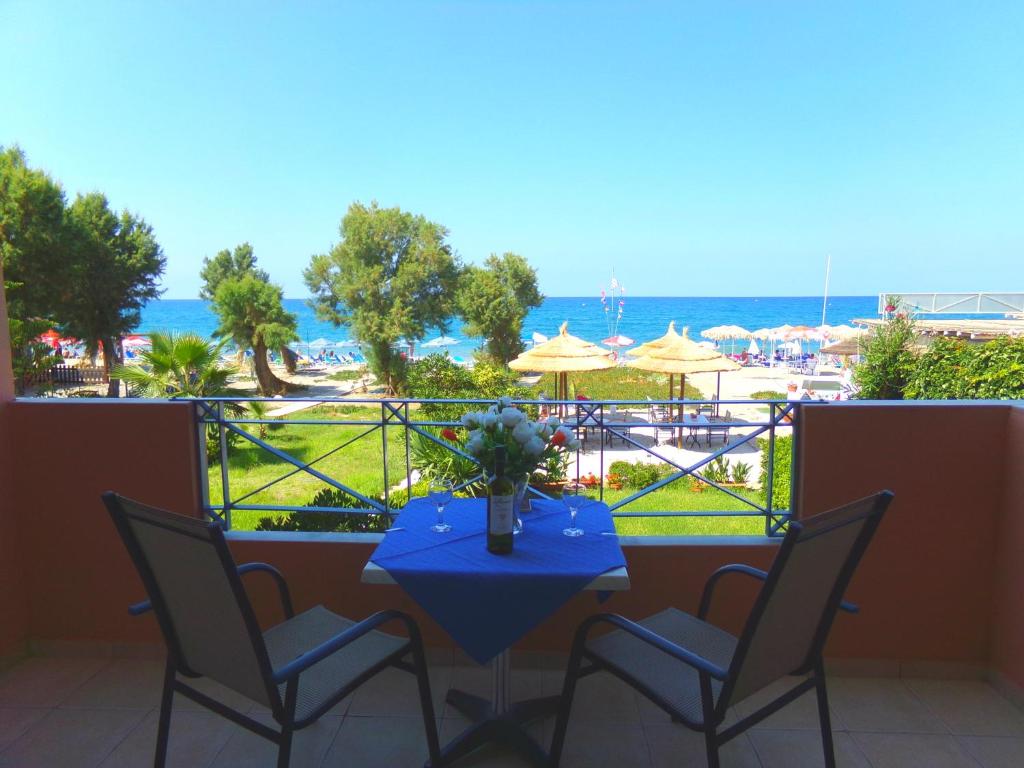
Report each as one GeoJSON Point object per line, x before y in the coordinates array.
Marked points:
{"type": "Point", "coordinates": [529, 445]}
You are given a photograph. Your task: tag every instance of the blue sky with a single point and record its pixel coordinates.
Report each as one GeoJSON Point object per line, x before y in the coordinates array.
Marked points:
{"type": "Point", "coordinates": [718, 148]}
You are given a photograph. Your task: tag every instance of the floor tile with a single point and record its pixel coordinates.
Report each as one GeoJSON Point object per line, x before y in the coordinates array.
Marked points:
{"type": "Point", "coordinates": [245, 749]}
{"type": "Point", "coordinates": [913, 750]}
{"type": "Point", "coordinates": [71, 738]}
{"type": "Point", "coordinates": [491, 756]}
{"type": "Point", "coordinates": [378, 742]}
{"type": "Point", "coordinates": [600, 696]}
{"type": "Point", "coordinates": [605, 744]}
{"type": "Point", "coordinates": [14, 722]}
{"type": "Point", "coordinates": [216, 691]}
{"type": "Point", "coordinates": [994, 751]}
{"type": "Point", "coordinates": [394, 692]}
{"type": "Point", "coordinates": [121, 683]}
{"type": "Point", "coordinates": [673, 745]}
{"type": "Point", "coordinates": [196, 739]}
{"type": "Point", "coordinates": [970, 707]}
{"type": "Point", "coordinates": [881, 705]}
{"type": "Point", "coordinates": [45, 682]}
{"type": "Point", "coordinates": [803, 749]}
{"type": "Point", "coordinates": [801, 714]}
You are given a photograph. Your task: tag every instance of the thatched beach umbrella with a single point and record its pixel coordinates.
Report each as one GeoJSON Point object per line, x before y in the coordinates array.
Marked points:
{"type": "Point", "coordinates": [683, 356]}
{"type": "Point", "coordinates": [563, 354]}
{"type": "Point", "coordinates": [670, 335]}
{"type": "Point", "coordinates": [844, 348]}
{"type": "Point", "coordinates": [723, 332]}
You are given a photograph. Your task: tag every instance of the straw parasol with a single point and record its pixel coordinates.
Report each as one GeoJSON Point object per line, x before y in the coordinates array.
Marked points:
{"type": "Point", "coordinates": [670, 336]}
{"type": "Point", "coordinates": [684, 356]}
{"type": "Point", "coordinates": [562, 354]}
{"type": "Point", "coordinates": [720, 332]}
{"type": "Point", "coordinates": [843, 348]}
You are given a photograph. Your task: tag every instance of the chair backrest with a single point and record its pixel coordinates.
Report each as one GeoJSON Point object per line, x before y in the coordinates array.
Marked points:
{"type": "Point", "coordinates": [197, 596]}
{"type": "Point", "coordinates": [793, 614]}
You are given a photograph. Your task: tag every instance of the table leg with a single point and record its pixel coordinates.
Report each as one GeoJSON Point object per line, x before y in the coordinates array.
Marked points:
{"type": "Point", "coordinates": [498, 721]}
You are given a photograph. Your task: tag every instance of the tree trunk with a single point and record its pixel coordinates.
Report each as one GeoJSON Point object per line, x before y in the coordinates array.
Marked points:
{"type": "Point", "coordinates": [382, 361]}
{"type": "Point", "coordinates": [290, 359]}
{"type": "Point", "coordinates": [269, 385]}
{"type": "Point", "coordinates": [113, 354]}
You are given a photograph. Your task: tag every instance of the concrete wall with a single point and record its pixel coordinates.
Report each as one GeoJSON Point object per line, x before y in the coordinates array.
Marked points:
{"type": "Point", "coordinates": [1008, 582]}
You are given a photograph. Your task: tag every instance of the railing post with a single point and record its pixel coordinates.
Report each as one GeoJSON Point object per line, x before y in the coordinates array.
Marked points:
{"type": "Point", "coordinates": [203, 464]}
{"type": "Point", "coordinates": [408, 463]}
{"type": "Point", "coordinates": [384, 452]}
{"type": "Point", "coordinates": [794, 464]}
{"type": "Point", "coordinates": [770, 479]}
{"type": "Point", "coordinates": [600, 439]}
{"type": "Point", "coordinates": [225, 489]}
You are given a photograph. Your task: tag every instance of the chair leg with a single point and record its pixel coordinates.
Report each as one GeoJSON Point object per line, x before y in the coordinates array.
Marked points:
{"type": "Point", "coordinates": [419, 660]}
{"type": "Point", "coordinates": [823, 716]}
{"type": "Point", "coordinates": [164, 729]}
{"type": "Point", "coordinates": [284, 745]}
{"type": "Point", "coordinates": [711, 748]}
{"type": "Point", "coordinates": [707, 705]}
{"type": "Point", "coordinates": [565, 704]}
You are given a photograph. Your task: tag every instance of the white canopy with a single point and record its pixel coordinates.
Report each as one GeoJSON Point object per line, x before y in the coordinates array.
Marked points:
{"type": "Point", "coordinates": [752, 348]}
{"type": "Point", "coordinates": [441, 341]}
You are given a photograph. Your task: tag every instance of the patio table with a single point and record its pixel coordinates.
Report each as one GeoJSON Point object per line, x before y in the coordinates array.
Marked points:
{"type": "Point", "coordinates": [487, 602]}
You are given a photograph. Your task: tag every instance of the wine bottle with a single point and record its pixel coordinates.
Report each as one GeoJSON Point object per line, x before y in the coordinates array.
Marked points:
{"type": "Point", "coordinates": [500, 495]}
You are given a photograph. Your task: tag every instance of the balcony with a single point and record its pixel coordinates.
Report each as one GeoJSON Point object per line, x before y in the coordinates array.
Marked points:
{"type": "Point", "coordinates": [930, 673]}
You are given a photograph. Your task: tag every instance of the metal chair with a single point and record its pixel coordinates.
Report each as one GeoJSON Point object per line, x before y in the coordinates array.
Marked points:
{"type": "Point", "coordinates": [695, 671]}
{"type": "Point", "coordinates": [299, 668]}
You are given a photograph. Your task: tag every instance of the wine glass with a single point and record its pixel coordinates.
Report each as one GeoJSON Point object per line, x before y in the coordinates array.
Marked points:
{"type": "Point", "coordinates": [573, 497]}
{"type": "Point", "coordinates": [440, 492]}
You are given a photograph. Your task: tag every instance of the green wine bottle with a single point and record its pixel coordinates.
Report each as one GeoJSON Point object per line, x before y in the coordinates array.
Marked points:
{"type": "Point", "coordinates": [500, 495]}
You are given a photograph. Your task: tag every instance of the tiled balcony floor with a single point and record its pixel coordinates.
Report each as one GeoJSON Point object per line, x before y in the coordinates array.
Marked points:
{"type": "Point", "coordinates": [83, 712]}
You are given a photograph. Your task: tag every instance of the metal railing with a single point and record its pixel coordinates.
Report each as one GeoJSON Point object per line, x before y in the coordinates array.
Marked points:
{"type": "Point", "coordinates": [642, 429]}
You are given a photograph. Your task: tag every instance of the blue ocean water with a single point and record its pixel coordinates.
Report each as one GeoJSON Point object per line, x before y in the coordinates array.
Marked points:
{"type": "Point", "coordinates": [643, 318]}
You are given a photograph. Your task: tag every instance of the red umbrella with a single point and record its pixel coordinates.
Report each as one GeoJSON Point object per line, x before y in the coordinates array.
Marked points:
{"type": "Point", "coordinates": [51, 337]}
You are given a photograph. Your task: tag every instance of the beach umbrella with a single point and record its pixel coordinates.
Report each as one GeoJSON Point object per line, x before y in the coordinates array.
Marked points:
{"type": "Point", "coordinates": [844, 332]}
{"type": "Point", "coordinates": [721, 332]}
{"type": "Point", "coordinates": [752, 348]}
{"type": "Point", "coordinates": [51, 337]}
{"type": "Point", "coordinates": [538, 338]}
{"type": "Point", "coordinates": [682, 356]}
{"type": "Point", "coordinates": [346, 343]}
{"type": "Point", "coordinates": [320, 343]}
{"type": "Point", "coordinates": [844, 348]}
{"type": "Point", "coordinates": [618, 341]}
{"type": "Point", "coordinates": [441, 341]}
{"type": "Point", "coordinates": [562, 354]}
{"type": "Point", "coordinates": [643, 349]}
{"type": "Point", "coordinates": [779, 333]}
{"type": "Point", "coordinates": [135, 340]}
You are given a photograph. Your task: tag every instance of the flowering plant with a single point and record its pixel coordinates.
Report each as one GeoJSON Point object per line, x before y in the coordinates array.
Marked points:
{"type": "Point", "coordinates": [528, 444]}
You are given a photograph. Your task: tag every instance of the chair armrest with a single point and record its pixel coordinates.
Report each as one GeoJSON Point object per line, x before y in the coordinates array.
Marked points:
{"type": "Point", "coordinates": [282, 585]}
{"type": "Point", "coordinates": [690, 658]}
{"type": "Point", "coordinates": [746, 570]}
{"type": "Point", "coordinates": [339, 641]}
{"type": "Point", "coordinates": [137, 609]}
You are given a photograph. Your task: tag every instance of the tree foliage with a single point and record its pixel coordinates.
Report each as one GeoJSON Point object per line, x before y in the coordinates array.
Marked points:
{"type": "Point", "coordinates": [494, 300]}
{"type": "Point", "coordinates": [439, 377]}
{"type": "Point", "coordinates": [888, 360]}
{"type": "Point", "coordinates": [115, 265]}
{"type": "Point", "coordinates": [955, 369]}
{"type": "Point", "coordinates": [227, 265]}
{"type": "Point", "coordinates": [177, 365]}
{"type": "Point", "coordinates": [392, 276]}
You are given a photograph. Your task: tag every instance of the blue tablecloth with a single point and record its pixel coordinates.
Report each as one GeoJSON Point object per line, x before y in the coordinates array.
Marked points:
{"type": "Point", "coordinates": [486, 602]}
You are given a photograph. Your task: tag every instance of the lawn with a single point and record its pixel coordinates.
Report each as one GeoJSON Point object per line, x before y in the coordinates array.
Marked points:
{"type": "Point", "coordinates": [679, 497]}
{"type": "Point", "coordinates": [357, 465]}
{"type": "Point", "coordinates": [620, 383]}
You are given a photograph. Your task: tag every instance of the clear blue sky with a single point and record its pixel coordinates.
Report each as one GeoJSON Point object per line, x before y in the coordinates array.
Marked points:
{"type": "Point", "coordinates": [719, 148]}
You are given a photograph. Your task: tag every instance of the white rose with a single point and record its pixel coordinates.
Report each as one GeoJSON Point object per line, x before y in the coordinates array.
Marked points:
{"type": "Point", "coordinates": [488, 420]}
{"type": "Point", "coordinates": [475, 445]}
{"type": "Point", "coordinates": [534, 446]}
{"type": "Point", "coordinates": [553, 422]}
{"type": "Point", "coordinates": [471, 420]}
{"type": "Point", "coordinates": [573, 445]}
{"type": "Point", "coordinates": [511, 416]}
{"type": "Point", "coordinates": [504, 402]}
{"type": "Point", "coordinates": [522, 432]}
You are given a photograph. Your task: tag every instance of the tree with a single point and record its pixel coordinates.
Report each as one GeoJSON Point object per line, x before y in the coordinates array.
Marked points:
{"type": "Point", "coordinates": [31, 251]}
{"type": "Point", "coordinates": [114, 265]}
{"type": "Point", "coordinates": [234, 265]}
{"type": "Point", "coordinates": [494, 300]}
{"type": "Point", "coordinates": [250, 310]}
{"type": "Point", "coordinates": [392, 276]}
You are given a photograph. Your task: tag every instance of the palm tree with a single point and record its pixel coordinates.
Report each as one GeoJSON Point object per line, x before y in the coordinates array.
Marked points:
{"type": "Point", "coordinates": [177, 365]}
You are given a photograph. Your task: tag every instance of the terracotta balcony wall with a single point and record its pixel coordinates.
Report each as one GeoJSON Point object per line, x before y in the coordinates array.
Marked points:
{"type": "Point", "coordinates": [941, 587]}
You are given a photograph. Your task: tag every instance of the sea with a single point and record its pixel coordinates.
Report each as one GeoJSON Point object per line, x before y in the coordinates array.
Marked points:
{"type": "Point", "coordinates": [641, 319]}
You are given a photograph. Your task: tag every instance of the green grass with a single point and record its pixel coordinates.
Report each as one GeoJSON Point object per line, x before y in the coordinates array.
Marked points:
{"type": "Point", "coordinates": [348, 375]}
{"type": "Point", "coordinates": [358, 465]}
{"type": "Point", "coordinates": [679, 496]}
{"type": "Point", "coordinates": [620, 383]}
{"type": "Point", "coordinates": [767, 394]}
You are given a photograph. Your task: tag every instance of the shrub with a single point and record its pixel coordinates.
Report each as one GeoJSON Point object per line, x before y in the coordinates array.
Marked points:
{"type": "Point", "coordinates": [439, 377]}
{"type": "Point", "coordinates": [717, 471]}
{"type": "Point", "coordinates": [636, 475]}
{"type": "Point", "coordinates": [888, 360]}
{"type": "Point", "coordinates": [349, 522]}
{"type": "Point", "coordinates": [740, 472]}
{"type": "Point", "coordinates": [767, 394]}
{"type": "Point", "coordinates": [437, 462]}
{"type": "Point", "coordinates": [954, 369]}
{"type": "Point", "coordinates": [782, 477]}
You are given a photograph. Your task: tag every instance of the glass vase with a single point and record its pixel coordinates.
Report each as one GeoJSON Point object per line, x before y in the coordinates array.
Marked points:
{"type": "Point", "coordinates": [519, 504]}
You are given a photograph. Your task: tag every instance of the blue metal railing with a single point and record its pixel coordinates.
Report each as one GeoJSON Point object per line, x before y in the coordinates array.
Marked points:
{"type": "Point", "coordinates": [638, 426]}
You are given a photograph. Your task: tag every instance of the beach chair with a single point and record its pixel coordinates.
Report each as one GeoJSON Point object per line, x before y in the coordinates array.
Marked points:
{"type": "Point", "coordinates": [298, 669]}
{"type": "Point", "coordinates": [695, 671]}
